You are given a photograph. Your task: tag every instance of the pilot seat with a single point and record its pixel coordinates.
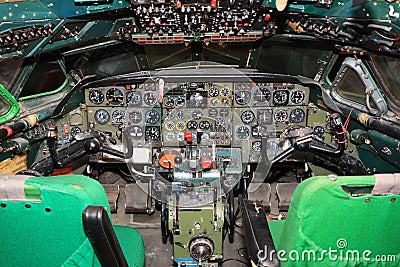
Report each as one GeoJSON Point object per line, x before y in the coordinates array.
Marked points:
{"type": "Point", "coordinates": [332, 221]}
{"type": "Point", "coordinates": [62, 221]}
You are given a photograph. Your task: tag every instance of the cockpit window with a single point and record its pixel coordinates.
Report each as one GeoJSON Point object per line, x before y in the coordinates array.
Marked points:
{"type": "Point", "coordinates": [387, 72]}
{"type": "Point", "coordinates": [351, 87]}
{"type": "Point", "coordinates": [9, 70]}
{"type": "Point", "coordinates": [46, 77]}
{"type": "Point", "coordinates": [4, 107]}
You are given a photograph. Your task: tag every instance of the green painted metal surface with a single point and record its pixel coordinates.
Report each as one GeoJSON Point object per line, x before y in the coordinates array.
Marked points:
{"type": "Point", "coordinates": [13, 105]}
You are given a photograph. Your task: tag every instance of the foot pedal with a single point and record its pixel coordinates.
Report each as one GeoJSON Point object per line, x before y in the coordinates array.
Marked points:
{"type": "Point", "coordinates": [136, 199]}
{"type": "Point", "coordinates": [262, 194]}
{"type": "Point", "coordinates": [285, 192]}
{"type": "Point", "coordinates": [112, 192]}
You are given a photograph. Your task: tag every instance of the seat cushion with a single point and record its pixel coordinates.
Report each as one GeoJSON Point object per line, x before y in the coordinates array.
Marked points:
{"type": "Point", "coordinates": [324, 216]}
{"type": "Point", "coordinates": [45, 228]}
{"type": "Point", "coordinates": [132, 245]}
{"type": "Point", "coordinates": [276, 227]}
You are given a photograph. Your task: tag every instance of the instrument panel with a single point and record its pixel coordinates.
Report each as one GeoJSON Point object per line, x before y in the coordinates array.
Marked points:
{"type": "Point", "coordinates": [227, 114]}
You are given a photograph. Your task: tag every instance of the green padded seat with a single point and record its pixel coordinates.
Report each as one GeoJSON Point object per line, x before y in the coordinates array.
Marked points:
{"type": "Point", "coordinates": [358, 230]}
{"type": "Point", "coordinates": [44, 228]}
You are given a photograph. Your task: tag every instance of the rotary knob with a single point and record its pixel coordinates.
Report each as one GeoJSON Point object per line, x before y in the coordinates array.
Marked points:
{"type": "Point", "coordinates": [201, 248]}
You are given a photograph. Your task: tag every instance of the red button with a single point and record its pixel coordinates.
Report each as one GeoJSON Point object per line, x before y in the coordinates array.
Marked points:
{"type": "Point", "coordinates": [206, 163]}
{"type": "Point", "coordinates": [213, 3]}
{"type": "Point", "coordinates": [188, 137]}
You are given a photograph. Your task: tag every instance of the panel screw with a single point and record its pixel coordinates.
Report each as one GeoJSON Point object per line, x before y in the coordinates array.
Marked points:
{"type": "Point", "coordinates": [3, 205]}
{"type": "Point", "coordinates": [47, 209]}
{"type": "Point", "coordinates": [27, 206]}
{"type": "Point", "coordinates": [367, 200]}
{"type": "Point", "coordinates": [392, 199]}
{"type": "Point", "coordinates": [332, 177]}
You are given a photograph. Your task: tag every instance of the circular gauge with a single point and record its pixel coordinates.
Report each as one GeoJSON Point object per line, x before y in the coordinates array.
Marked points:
{"type": "Point", "coordinates": [214, 102]}
{"type": "Point", "coordinates": [225, 91]}
{"type": "Point", "coordinates": [213, 112]}
{"type": "Point", "coordinates": [115, 96]}
{"type": "Point", "coordinates": [150, 98]}
{"type": "Point", "coordinates": [281, 97]}
{"type": "Point", "coordinates": [204, 125]}
{"type": "Point", "coordinates": [224, 112]}
{"type": "Point", "coordinates": [133, 98]}
{"type": "Point", "coordinates": [135, 117]}
{"type": "Point", "coordinates": [225, 102]}
{"type": "Point", "coordinates": [281, 116]}
{"type": "Point", "coordinates": [136, 132]}
{"type": "Point", "coordinates": [197, 99]}
{"type": "Point", "coordinates": [297, 96]}
{"type": "Point", "coordinates": [242, 132]}
{"type": "Point", "coordinates": [213, 92]}
{"type": "Point", "coordinates": [170, 136]}
{"type": "Point", "coordinates": [169, 115]}
{"type": "Point", "coordinates": [319, 131]}
{"type": "Point", "coordinates": [152, 116]}
{"type": "Point", "coordinates": [180, 115]}
{"type": "Point", "coordinates": [272, 149]}
{"type": "Point", "coordinates": [152, 133]}
{"type": "Point", "coordinates": [169, 102]}
{"type": "Point", "coordinates": [96, 97]}
{"type": "Point", "coordinates": [256, 145]}
{"type": "Point", "coordinates": [262, 95]}
{"type": "Point", "coordinates": [264, 117]}
{"type": "Point", "coordinates": [180, 136]}
{"type": "Point", "coordinates": [117, 116]}
{"type": "Point", "coordinates": [169, 126]}
{"type": "Point", "coordinates": [180, 102]}
{"type": "Point", "coordinates": [75, 130]}
{"type": "Point", "coordinates": [247, 116]}
{"type": "Point", "coordinates": [101, 116]}
{"type": "Point", "coordinates": [197, 114]}
{"type": "Point", "coordinates": [191, 125]}
{"type": "Point", "coordinates": [242, 97]}
{"type": "Point", "coordinates": [297, 115]}
{"type": "Point", "coordinates": [180, 126]}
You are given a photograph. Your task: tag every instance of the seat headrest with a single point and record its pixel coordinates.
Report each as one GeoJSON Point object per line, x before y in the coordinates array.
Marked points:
{"type": "Point", "coordinates": [386, 183]}
{"type": "Point", "coordinates": [12, 186]}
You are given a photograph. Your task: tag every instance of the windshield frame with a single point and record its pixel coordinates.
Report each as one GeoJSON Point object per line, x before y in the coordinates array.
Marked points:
{"type": "Point", "coordinates": [378, 69]}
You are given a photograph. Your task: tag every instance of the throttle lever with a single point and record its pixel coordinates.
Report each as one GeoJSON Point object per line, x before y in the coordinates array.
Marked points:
{"type": "Point", "coordinates": [340, 132]}
{"type": "Point", "coordinates": [52, 137]}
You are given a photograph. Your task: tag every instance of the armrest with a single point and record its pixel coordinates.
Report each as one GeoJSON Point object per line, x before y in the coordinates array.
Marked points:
{"type": "Point", "coordinates": [101, 234]}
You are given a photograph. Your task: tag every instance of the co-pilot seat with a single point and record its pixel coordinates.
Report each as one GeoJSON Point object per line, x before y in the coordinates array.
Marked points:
{"type": "Point", "coordinates": [356, 218]}
{"type": "Point", "coordinates": [42, 224]}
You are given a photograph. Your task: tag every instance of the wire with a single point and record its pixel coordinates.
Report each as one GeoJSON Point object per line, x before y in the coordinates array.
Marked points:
{"type": "Point", "coordinates": [232, 259]}
{"type": "Point", "coordinates": [83, 76]}
{"type": "Point", "coordinates": [346, 124]}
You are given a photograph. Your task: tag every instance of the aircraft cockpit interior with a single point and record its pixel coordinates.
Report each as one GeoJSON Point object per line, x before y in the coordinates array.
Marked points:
{"type": "Point", "coordinates": [199, 133]}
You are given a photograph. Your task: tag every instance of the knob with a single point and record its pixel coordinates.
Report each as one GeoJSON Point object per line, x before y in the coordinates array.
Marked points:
{"type": "Point", "coordinates": [178, 160]}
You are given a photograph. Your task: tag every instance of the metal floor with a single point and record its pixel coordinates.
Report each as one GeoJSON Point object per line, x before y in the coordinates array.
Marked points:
{"type": "Point", "coordinates": [159, 254]}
